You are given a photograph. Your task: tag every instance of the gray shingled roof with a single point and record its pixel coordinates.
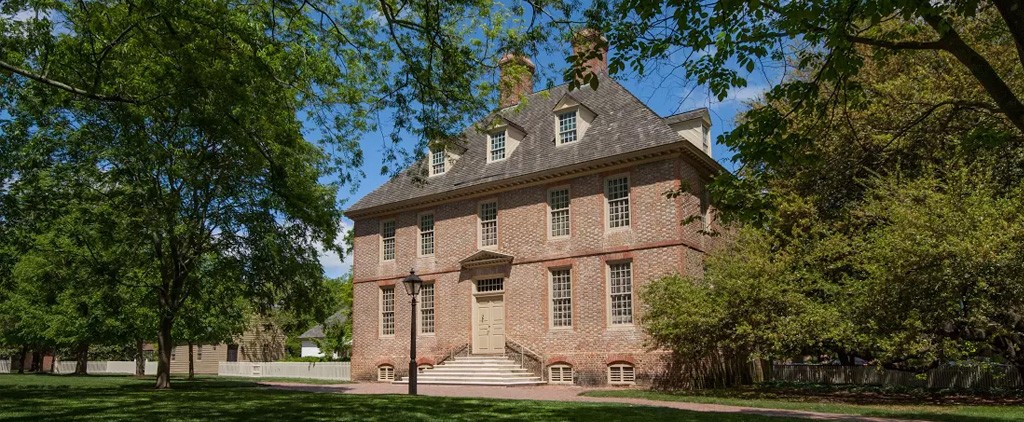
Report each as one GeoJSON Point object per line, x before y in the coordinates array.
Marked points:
{"type": "Point", "coordinates": [318, 331]}
{"type": "Point", "coordinates": [623, 124]}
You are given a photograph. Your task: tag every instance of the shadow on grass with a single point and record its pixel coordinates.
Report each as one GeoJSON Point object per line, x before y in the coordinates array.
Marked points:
{"type": "Point", "coordinates": [871, 404]}
{"type": "Point", "coordinates": [105, 399]}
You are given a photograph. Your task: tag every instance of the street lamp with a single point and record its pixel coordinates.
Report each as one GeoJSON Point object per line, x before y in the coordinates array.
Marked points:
{"type": "Point", "coordinates": [412, 285]}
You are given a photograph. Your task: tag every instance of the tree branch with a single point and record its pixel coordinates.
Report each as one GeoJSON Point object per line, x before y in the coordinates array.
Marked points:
{"type": "Point", "coordinates": [1013, 13]}
{"type": "Point", "coordinates": [65, 87]}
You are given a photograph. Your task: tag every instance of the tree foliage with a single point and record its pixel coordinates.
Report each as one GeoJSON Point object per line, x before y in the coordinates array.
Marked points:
{"type": "Point", "coordinates": [886, 226]}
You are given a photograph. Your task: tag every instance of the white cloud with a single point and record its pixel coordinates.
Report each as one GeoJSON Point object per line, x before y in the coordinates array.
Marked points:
{"type": "Point", "coordinates": [333, 265]}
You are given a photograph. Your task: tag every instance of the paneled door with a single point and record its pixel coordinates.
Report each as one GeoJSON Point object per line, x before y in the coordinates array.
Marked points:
{"type": "Point", "coordinates": [489, 335]}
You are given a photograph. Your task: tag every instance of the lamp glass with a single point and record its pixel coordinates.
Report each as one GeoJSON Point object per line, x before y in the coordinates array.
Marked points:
{"type": "Point", "coordinates": [412, 284]}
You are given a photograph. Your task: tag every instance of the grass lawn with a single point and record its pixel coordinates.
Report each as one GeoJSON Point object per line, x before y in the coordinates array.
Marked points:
{"type": "Point", "coordinates": [118, 398]}
{"type": "Point", "coordinates": [865, 403]}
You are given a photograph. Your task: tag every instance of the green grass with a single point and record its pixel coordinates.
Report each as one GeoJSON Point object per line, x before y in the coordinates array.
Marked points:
{"type": "Point", "coordinates": [877, 405]}
{"type": "Point", "coordinates": [110, 398]}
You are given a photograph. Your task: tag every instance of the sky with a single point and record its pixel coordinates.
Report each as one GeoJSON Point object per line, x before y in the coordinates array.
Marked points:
{"type": "Point", "coordinates": [664, 90]}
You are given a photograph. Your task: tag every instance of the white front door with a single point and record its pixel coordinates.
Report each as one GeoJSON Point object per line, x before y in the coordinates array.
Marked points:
{"type": "Point", "coordinates": [489, 334]}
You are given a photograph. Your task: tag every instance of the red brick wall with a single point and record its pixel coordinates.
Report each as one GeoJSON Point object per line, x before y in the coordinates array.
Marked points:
{"type": "Point", "coordinates": [655, 242]}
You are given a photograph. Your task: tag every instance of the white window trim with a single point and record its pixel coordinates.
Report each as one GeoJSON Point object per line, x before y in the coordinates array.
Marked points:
{"type": "Point", "coordinates": [480, 225]}
{"type": "Point", "coordinates": [444, 162]}
{"type": "Point", "coordinates": [705, 210]}
{"type": "Point", "coordinates": [381, 235]}
{"type": "Point", "coordinates": [380, 311]}
{"type": "Point", "coordinates": [572, 374]}
{"type": "Point", "coordinates": [419, 234]}
{"type": "Point", "coordinates": [547, 201]}
{"type": "Point", "coordinates": [575, 109]}
{"type": "Point", "coordinates": [385, 373]}
{"type": "Point", "coordinates": [608, 294]}
{"type": "Point", "coordinates": [419, 311]}
{"type": "Point", "coordinates": [621, 365]}
{"type": "Point", "coordinates": [551, 300]}
{"type": "Point", "coordinates": [490, 144]}
{"type": "Point", "coordinates": [629, 201]}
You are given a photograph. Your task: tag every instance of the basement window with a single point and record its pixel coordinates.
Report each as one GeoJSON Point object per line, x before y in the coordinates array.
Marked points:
{"type": "Point", "coordinates": [560, 374]}
{"type": "Point", "coordinates": [621, 374]}
{"type": "Point", "coordinates": [385, 373]}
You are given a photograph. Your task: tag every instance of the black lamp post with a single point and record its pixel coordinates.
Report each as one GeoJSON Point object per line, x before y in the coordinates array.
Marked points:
{"type": "Point", "coordinates": [412, 287]}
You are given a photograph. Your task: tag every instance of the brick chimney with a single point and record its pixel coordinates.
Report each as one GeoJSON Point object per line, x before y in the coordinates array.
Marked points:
{"type": "Point", "coordinates": [516, 78]}
{"type": "Point", "coordinates": [587, 42]}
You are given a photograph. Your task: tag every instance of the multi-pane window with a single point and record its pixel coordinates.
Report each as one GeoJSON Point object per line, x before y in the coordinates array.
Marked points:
{"type": "Point", "coordinates": [490, 285]}
{"type": "Point", "coordinates": [387, 311]}
{"type": "Point", "coordinates": [621, 373]}
{"type": "Point", "coordinates": [427, 234]}
{"type": "Point", "coordinates": [489, 224]}
{"type": "Point", "coordinates": [498, 146]}
{"type": "Point", "coordinates": [558, 202]}
{"type": "Point", "coordinates": [567, 127]}
{"type": "Point", "coordinates": [705, 211]}
{"type": "Point", "coordinates": [387, 236]}
{"type": "Point", "coordinates": [385, 373]}
{"type": "Point", "coordinates": [437, 162]}
{"type": "Point", "coordinates": [560, 374]}
{"type": "Point", "coordinates": [617, 192]}
{"type": "Point", "coordinates": [427, 309]}
{"type": "Point", "coordinates": [621, 291]}
{"type": "Point", "coordinates": [561, 298]}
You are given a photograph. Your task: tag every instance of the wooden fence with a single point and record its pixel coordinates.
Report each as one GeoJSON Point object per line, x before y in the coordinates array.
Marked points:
{"type": "Point", "coordinates": [5, 366]}
{"type": "Point", "coordinates": [126, 367]}
{"type": "Point", "coordinates": [338, 371]}
{"type": "Point", "coordinates": [946, 377]}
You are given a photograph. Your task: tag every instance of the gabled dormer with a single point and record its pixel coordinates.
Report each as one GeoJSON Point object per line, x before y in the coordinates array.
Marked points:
{"type": "Point", "coordinates": [503, 137]}
{"type": "Point", "coordinates": [440, 160]}
{"type": "Point", "coordinates": [572, 119]}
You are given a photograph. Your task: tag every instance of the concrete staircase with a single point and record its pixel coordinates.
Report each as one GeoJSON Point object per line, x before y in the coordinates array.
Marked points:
{"type": "Point", "coordinates": [477, 370]}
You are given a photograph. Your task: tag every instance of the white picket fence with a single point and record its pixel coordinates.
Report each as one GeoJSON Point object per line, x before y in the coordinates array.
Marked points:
{"type": "Point", "coordinates": [337, 371]}
{"type": "Point", "coordinates": [126, 367]}
{"type": "Point", "coordinates": [5, 366]}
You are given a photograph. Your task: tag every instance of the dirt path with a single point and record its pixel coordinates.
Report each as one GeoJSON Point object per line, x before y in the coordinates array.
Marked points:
{"type": "Point", "coordinates": [559, 393]}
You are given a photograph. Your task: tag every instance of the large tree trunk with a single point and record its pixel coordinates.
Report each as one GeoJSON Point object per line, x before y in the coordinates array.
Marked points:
{"type": "Point", "coordinates": [82, 359]}
{"type": "Point", "coordinates": [21, 359]}
{"type": "Point", "coordinates": [164, 346]}
{"type": "Point", "coordinates": [140, 360]}
{"type": "Point", "coordinates": [191, 363]}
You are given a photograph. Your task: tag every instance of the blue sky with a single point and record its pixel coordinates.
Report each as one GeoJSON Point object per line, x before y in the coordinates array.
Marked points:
{"type": "Point", "coordinates": [665, 90]}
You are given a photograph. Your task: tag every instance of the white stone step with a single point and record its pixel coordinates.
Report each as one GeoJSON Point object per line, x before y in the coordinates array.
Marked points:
{"type": "Point", "coordinates": [478, 370]}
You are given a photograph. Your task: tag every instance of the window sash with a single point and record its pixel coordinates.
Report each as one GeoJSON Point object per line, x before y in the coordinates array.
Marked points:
{"type": "Point", "coordinates": [558, 201]}
{"type": "Point", "coordinates": [427, 234]}
{"type": "Point", "coordinates": [621, 374]}
{"type": "Point", "coordinates": [567, 127]}
{"type": "Point", "coordinates": [560, 374]}
{"type": "Point", "coordinates": [437, 161]}
{"type": "Point", "coordinates": [387, 311]}
{"type": "Point", "coordinates": [621, 293]}
{"type": "Point", "coordinates": [490, 285]}
{"type": "Point", "coordinates": [489, 224]}
{"type": "Point", "coordinates": [427, 309]}
{"type": "Point", "coordinates": [561, 298]}
{"type": "Point", "coordinates": [388, 240]}
{"type": "Point", "coordinates": [385, 373]}
{"type": "Point", "coordinates": [617, 192]}
{"type": "Point", "coordinates": [498, 146]}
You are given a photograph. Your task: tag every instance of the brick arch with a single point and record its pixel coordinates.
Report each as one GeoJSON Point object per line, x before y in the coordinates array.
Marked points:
{"type": "Point", "coordinates": [425, 360]}
{"type": "Point", "coordinates": [554, 360]}
{"type": "Point", "coordinates": [620, 358]}
{"type": "Point", "coordinates": [384, 361]}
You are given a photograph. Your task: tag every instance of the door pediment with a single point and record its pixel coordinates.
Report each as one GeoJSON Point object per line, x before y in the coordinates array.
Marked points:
{"type": "Point", "coordinates": [486, 259]}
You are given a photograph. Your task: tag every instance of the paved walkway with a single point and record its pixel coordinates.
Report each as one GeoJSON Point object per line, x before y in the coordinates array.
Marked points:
{"type": "Point", "coordinates": [559, 393]}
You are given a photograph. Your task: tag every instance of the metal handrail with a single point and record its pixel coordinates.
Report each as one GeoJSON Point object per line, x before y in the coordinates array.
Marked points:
{"type": "Point", "coordinates": [523, 353]}
{"type": "Point", "coordinates": [453, 352]}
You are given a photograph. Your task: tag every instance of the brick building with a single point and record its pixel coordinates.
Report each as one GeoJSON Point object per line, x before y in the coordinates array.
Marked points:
{"type": "Point", "coordinates": [534, 239]}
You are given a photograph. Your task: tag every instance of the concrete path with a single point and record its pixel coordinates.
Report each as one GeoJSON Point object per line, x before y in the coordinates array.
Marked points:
{"type": "Point", "coordinates": [559, 393]}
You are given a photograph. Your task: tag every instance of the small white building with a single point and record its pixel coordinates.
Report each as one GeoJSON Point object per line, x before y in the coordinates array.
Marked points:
{"type": "Point", "coordinates": [310, 344]}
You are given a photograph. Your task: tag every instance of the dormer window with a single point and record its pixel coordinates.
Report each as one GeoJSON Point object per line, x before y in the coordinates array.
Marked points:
{"type": "Point", "coordinates": [567, 127]}
{"type": "Point", "coordinates": [496, 149]}
{"type": "Point", "coordinates": [437, 162]}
